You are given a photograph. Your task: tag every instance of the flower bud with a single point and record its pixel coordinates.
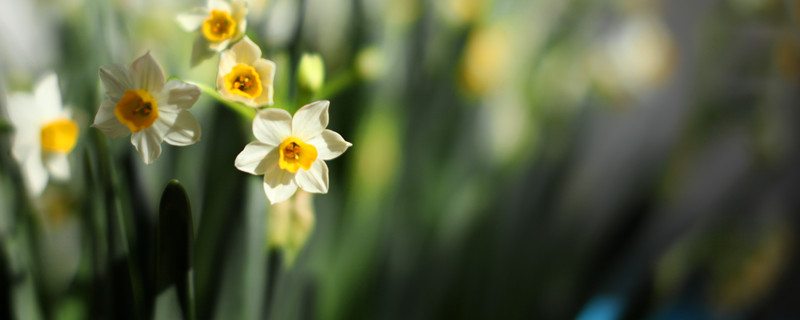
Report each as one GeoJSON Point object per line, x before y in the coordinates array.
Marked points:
{"type": "Point", "coordinates": [289, 224]}
{"type": "Point", "coordinates": [311, 72]}
{"type": "Point", "coordinates": [369, 63]}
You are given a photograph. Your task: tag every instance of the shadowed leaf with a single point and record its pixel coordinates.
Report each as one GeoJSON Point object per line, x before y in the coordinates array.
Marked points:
{"type": "Point", "coordinates": [174, 247]}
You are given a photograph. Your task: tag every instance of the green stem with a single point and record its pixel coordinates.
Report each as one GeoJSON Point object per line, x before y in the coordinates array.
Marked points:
{"type": "Point", "coordinates": [239, 108]}
{"type": "Point", "coordinates": [336, 85]}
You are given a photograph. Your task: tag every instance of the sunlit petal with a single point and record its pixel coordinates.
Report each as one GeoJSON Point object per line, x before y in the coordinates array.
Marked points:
{"type": "Point", "coordinates": [315, 179]}
{"type": "Point", "coordinates": [329, 144]}
{"type": "Point", "coordinates": [310, 120]}
{"type": "Point", "coordinates": [272, 126]}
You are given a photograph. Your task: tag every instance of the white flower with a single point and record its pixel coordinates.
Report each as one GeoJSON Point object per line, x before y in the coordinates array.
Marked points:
{"type": "Point", "coordinates": [141, 103]}
{"type": "Point", "coordinates": [220, 22]}
{"type": "Point", "coordinates": [44, 134]}
{"type": "Point", "coordinates": [244, 76]}
{"type": "Point", "coordinates": [290, 151]}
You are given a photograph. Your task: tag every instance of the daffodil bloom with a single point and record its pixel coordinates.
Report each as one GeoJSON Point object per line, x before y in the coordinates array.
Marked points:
{"type": "Point", "coordinates": [220, 23]}
{"type": "Point", "coordinates": [244, 76]}
{"type": "Point", "coordinates": [290, 152]}
{"type": "Point", "coordinates": [44, 134]}
{"type": "Point", "coordinates": [141, 103]}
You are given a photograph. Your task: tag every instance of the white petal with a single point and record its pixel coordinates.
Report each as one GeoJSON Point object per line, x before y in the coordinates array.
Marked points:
{"type": "Point", "coordinates": [34, 173]}
{"type": "Point", "coordinates": [329, 144]}
{"type": "Point", "coordinates": [116, 80]}
{"type": "Point", "coordinates": [256, 158]}
{"type": "Point", "coordinates": [20, 112]}
{"type": "Point", "coordinates": [238, 9]}
{"type": "Point", "coordinates": [48, 96]}
{"type": "Point", "coordinates": [279, 184]}
{"type": "Point", "coordinates": [239, 14]}
{"type": "Point", "coordinates": [148, 143]}
{"type": "Point", "coordinates": [266, 71]}
{"type": "Point", "coordinates": [219, 46]}
{"type": "Point", "coordinates": [181, 94]}
{"type": "Point", "coordinates": [25, 142]}
{"type": "Point", "coordinates": [246, 51]}
{"type": "Point", "coordinates": [185, 130]}
{"type": "Point", "coordinates": [219, 5]}
{"type": "Point", "coordinates": [310, 120]}
{"type": "Point", "coordinates": [272, 126]}
{"type": "Point", "coordinates": [166, 120]}
{"type": "Point", "coordinates": [193, 19]}
{"type": "Point", "coordinates": [227, 60]}
{"type": "Point", "coordinates": [315, 179]}
{"type": "Point", "coordinates": [241, 27]}
{"type": "Point", "coordinates": [58, 165]}
{"type": "Point", "coordinates": [147, 74]}
{"type": "Point", "coordinates": [106, 121]}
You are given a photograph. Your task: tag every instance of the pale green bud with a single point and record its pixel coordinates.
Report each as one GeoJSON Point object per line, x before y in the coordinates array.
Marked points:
{"type": "Point", "coordinates": [311, 72]}
{"type": "Point", "coordinates": [289, 224]}
{"type": "Point", "coordinates": [369, 63]}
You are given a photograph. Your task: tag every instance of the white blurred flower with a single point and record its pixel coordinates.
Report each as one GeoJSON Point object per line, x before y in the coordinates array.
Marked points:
{"type": "Point", "coordinates": [141, 103]}
{"type": "Point", "coordinates": [29, 41]}
{"type": "Point", "coordinates": [290, 151]}
{"type": "Point", "coordinates": [44, 134]}
{"type": "Point", "coordinates": [637, 57]}
{"type": "Point", "coordinates": [244, 76]}
{"type": "Point", "coordinates": [220, 22]}
{"type": "Point", "coordinates": [280, 23]}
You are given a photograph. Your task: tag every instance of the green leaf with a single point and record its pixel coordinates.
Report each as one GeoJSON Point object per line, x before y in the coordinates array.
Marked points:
{"type": "Point", "coordinates": [5, 126]}
{"type": "Point", "coordinates": [166, 305]}
{"type": "Point", "coordinates": [174, 246]}
{"type": "Point", "coordinates": [200, 51]}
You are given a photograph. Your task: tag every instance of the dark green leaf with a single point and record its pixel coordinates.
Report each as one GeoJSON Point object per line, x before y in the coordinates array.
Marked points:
{"type": "Point", "coordinates": [174, 251]}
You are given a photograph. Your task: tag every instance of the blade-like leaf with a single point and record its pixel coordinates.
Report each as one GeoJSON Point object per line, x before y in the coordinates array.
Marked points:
{"type": "Point", "coordinates": [174, 247]}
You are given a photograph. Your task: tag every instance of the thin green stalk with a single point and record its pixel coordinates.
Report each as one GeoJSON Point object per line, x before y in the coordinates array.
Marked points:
{"type": "Point", "coordinates": [239, 108]}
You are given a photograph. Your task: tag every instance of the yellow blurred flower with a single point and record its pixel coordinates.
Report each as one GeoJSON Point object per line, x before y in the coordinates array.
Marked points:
{"type": "Point", "coordinates": [484, 65]}
{"type": "Point", "coordinates": [220, 22]}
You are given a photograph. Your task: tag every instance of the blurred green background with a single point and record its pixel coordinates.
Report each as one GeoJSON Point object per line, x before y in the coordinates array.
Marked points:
{"type": "Point", "coordinates": [511, 159]}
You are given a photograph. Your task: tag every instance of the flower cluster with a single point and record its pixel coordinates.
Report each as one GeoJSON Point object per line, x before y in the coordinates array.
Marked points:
{"type": "Point", "coordinates": [290, 152]}
{"type": "Point", "coordinates": [139, 101]}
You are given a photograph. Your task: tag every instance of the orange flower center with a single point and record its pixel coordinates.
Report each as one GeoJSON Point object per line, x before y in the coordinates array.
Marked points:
{"type": "Point", "coordinates": [218, 26]}
{"type": "Point", "coordinates": [296, 154]}
{"type": "Point", "coordinates": [137, 110]}
{"type": "Point", "coordinates": [59, 136]}
{"type": "Point", "coordinates": [243, 80]}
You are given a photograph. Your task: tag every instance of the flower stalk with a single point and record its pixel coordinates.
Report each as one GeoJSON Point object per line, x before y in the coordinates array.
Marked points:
{"type": "Point", "coordinates": [242, 110]}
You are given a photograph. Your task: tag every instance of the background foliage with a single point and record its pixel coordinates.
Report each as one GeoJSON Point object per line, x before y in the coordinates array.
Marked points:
{"type": "Point", "coordinates": [512, 159]}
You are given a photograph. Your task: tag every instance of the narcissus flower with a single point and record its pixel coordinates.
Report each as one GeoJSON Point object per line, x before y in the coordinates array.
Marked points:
{"type": "Point", "coordinates": [44, 134]}
{"type": "Point", "coordinates": [244, 76]}
{"type": "Point", "coordinates": [220, 22]}
{"type": "Point", "coordinates": [290, 152]}
{"type": "Point", "coordinates": [142, 104]}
